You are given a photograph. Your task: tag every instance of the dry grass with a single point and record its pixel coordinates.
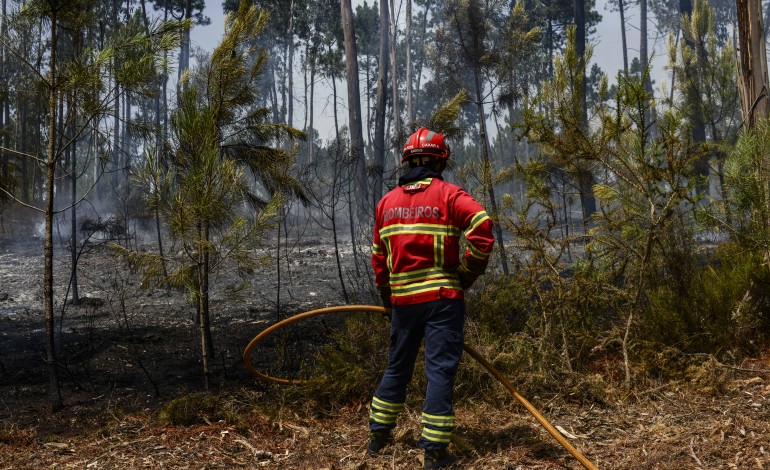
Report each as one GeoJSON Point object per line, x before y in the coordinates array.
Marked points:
{"type": "Point", "coordinates": [673, 427]}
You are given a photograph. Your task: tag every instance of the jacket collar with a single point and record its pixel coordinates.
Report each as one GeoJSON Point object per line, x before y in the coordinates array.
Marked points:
{"type": "Point", "coordinates": [418, 173]}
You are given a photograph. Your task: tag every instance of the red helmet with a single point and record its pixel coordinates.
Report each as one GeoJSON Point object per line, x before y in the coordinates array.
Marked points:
{"type": "Point", "coordinates": [425, 142]}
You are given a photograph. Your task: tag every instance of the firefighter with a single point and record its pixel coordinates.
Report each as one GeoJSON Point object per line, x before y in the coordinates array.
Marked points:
{"type": "Point", "coordinates": [421, 277]}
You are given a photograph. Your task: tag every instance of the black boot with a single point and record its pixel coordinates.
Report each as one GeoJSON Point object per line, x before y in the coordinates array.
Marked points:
{"type": "Point", "coordinates": [438, 459]}
{"type": "Point", "coordinates": [378, 441]}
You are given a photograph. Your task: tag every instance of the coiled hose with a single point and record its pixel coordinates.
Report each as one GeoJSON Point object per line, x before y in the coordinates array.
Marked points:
{"type": "Point", "coordinates": [471, 352]}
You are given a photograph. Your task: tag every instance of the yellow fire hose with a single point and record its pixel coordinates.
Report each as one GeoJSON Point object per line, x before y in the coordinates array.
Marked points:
{"type": "Point", "coordinates": [472, 352]}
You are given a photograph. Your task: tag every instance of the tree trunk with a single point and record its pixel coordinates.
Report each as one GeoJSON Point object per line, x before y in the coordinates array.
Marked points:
{"type": "Point", "coordinates": [290, 118]}
{"type": "Point", "coordinates": [184, 49]}
{"type": "Point", "coordinates": [73, 201]}
{"type": "Point", "coordinates": [487, 172]}
{"type": "Point", "coordinates": [54, 392]}
{"type": "Point", "coordinates": [354, 109]}
{"type": "Point", "coordinates": [116, 150]}
{"type": "Point", "coordinates": [310, 113]}
{"type": "Point", "coordinates": [203, 304]}
{"type": "Point", "coordinates": [643, 52]}
{"type": "Point", "coordinates": [397, 131]}
{"type": "Point", "coordinates": [753, 79]}
{"type": "Point", "coordinates": [408, 40]}
{"type": "Point", "coordinates": [4, 105]}
{"type": "Point", "coordinates": [622, 9]}
{"type": "Point", "coordinates": [382, 98]}
{"type": "Point", "coordinates": [421, 56]}
{"type": "Point", "coordinates": [585, 179]}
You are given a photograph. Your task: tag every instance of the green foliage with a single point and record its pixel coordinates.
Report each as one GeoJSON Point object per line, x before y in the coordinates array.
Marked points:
{"type": "Point", "coordinates": [746, 210]}
{"type": "Point", "coordinates": [711, 306]}
{"type": "Point", "coordinates": [348, 369]}
{"type": "Point", "coordinates": [202, 408]}
{"type": "Point", "coordinates": [706, 71]}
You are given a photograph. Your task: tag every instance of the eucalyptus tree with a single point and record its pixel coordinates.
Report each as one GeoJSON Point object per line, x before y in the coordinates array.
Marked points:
{"type": "Point", "coordinates": [366, 20]}
{"type": "Point", "coordinates": [380, 148]}
{"type": "Point", "coordinates": [78, 78]}
{"type": "Point", "coordinates": [355, 124]}
{"type": "Point", "coordinates": [753, 79]}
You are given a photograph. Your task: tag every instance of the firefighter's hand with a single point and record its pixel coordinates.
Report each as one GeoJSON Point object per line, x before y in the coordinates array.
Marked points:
{"type": "Point", "coordinates": [470, 270]}
{"type": "Point", "coordinates": [385, 296]}
{"type": "Point", "coordinates": [467, 278]}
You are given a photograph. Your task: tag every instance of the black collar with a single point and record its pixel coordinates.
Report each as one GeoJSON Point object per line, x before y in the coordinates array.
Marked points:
{"type": "Point", "coordinates": [418, 173]}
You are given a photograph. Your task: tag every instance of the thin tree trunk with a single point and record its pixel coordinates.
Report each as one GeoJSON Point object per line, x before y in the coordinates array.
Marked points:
{"type": "Point", "coordinates": [753, 79]}
{"type": "Point", "coordinates": [382, 98]}
{"type": "Point", "coordinates": [354, 109]}
{"type": "Point", "coordinates": [74, 214]}
{"type": "Point", "coordinates": [487, 172]}
{"type": "Point", "coordinates": [310, 113]}
{"type": "Point", "coordinates": [203, 299]}
{"type": "Point", "coordinates": [397, 131]}
{"type": "Point", "coordinates": [54, 392]}
{"type": "Point", "coordinates": [622, 9]}
{"type": "Point", "coordinates": [290, 119]}
{"type": "Point", "coordinates": [4, 99]}
{"type": "Point", "coordinates": [184, 49]}
{"type": "Point", "coordinates": [408, 39]}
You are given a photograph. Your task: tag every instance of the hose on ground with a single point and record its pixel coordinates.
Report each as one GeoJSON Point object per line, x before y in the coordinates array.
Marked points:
{"type": "Point", "coordinates": [470, 351]}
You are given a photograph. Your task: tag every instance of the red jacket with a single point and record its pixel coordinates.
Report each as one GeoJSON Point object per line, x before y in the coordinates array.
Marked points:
{"type": "Point", "coordinates": [416, 246]}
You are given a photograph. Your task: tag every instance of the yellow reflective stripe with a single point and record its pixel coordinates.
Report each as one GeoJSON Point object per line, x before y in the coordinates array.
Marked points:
{"type": "Point", "coordinates": [447, 421]}
{"type": "Point", "coordinates": [476, 253]}
{"type": "Point", "coordinates": [376, 249]}
{"type": "Point", "coordinates": [438, 250]}
{"type": "Point", "coordinates": [436, 436]}
{"type": "Point", "coordinates": [382, 418]}
{"type": "Point", "coordinates": [426, 286]}
{"type": "Point", "coordinates": [419, 229]}
{"type": "Point", "coordinates": [417, 275]}
{"type": "Point", "coordinates": [386, 405]}
{"type": "Point", "coordinates": [390, 256]}
{"type": "Point", "coordinates": [425, 181]}
{"type": "Point", "coordinates": [476, 220]}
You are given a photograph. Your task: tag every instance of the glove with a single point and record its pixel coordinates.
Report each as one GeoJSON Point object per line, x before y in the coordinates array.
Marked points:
{"type": "Point", "coordinates": [386, 302]}
{"type": "Point", "coordinates": [470, 270]}
{"type": "Point", "coordinates": [467, 278]}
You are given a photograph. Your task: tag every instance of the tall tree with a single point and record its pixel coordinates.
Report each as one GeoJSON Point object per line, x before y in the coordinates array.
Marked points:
{"type": "Point", "coordinates": [354, 108]}
{"type": "Point", "coordinates": [472, 29]}
{"type": "Point", "coordinates": [585, 178]}
{"type": "Point", "coordinates": [409, 85]}
{"type": "Point", "coordinates": [380, 148]}
{"type": "Point", "coordinates": [753, 79]}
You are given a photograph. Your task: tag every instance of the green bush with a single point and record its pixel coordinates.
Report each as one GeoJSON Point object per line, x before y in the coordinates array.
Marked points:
{"type": "Point", "coordinates": [201, 407]}
{"type": "Point", "coordinates": [709, 306]}
{"type": "Point", "coordinates": [349, 368]}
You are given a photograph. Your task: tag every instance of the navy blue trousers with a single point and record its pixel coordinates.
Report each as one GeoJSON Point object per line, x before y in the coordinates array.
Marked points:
{"type": "Point", "coordinates": [440, 323]}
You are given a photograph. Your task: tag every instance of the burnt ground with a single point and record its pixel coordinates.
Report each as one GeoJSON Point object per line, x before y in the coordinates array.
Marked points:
{"type": "Point", "coordinates": [126, 351]}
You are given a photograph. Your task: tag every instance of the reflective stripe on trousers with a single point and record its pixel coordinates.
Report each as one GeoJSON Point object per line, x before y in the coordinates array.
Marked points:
{"type": "Point", "coordinates": [440, 323]}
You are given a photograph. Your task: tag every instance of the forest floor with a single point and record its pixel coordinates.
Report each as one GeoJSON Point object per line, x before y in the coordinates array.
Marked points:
{"type": "Point", "coordinates": [126, 352]}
